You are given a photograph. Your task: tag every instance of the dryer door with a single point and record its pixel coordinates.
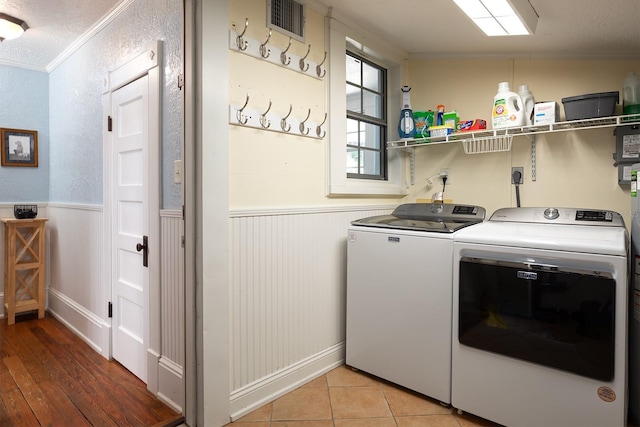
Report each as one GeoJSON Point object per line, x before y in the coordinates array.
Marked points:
{"type": "Point", "coordinates": [546, 314]}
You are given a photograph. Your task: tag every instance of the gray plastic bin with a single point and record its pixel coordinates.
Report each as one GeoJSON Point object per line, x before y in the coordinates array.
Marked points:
{"type": "Point", "coordinates": [591, 105]}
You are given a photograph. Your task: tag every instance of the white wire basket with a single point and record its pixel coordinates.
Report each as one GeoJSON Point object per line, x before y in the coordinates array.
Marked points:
{"type": "Point", "coordinates": [489, 144]}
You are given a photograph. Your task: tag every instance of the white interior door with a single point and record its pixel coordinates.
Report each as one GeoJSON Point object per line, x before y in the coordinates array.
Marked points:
{"type": "Point", "coordinates": [130, 225]}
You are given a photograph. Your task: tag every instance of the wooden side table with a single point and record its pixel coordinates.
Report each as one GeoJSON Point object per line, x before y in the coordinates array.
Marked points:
{"type": "Point", "coordinates": [24, 266]}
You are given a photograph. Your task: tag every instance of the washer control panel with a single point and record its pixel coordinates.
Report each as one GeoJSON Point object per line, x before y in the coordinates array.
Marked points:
{"type": "Point", "coordinates": [566, 216]}
{"type": "Point", "coordinates": [439, 211]}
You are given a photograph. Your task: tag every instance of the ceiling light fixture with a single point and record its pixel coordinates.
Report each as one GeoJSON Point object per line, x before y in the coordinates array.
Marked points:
{"type": "Point", "coordinates": [10, 27]}
{"type": "Point", "coordinates": [501, 17]}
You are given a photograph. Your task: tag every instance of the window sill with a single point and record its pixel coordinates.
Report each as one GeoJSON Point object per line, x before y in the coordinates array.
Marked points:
{"type": "Point", "coordinates": [360, 187]}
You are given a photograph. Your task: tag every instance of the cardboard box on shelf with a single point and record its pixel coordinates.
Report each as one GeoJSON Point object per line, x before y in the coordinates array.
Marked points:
{"type": "Point", "coordinates": [467, 125]}
{"type": "Point", "coordinates": [545, 113]}
{"type": "Point", "coordinates": [450, 118]}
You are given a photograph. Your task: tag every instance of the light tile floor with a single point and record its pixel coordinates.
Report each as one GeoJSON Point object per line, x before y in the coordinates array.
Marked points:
{"type": "Point", "coordinates": [347, 398]}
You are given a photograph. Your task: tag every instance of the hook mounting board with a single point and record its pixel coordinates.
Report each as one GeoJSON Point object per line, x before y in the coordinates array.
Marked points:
{"type": "Point", "coordinates": [252, 48]}
{"type": "Point", "coordinates": [311, 129]}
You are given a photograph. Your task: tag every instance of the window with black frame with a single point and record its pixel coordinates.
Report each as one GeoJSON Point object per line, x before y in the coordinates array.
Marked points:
{"type": "Point", "coordinates": [366, 119]}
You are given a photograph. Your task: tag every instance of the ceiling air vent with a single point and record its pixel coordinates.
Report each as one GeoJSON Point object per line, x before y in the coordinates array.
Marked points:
{"type": "Point", "coordinates": [286, 16]}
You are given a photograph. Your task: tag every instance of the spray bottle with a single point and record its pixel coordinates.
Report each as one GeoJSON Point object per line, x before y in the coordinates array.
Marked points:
{"type": "Point", "coordinates": [407, 124]}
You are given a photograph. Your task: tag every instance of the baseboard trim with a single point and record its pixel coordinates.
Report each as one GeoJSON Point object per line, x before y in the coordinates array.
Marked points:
{"type": "Point", "coordinates": [269, 388]}
{"type": "Point", "coordinates": [95, 332]}
{"type": "Point", "coordinates": [171, 384]}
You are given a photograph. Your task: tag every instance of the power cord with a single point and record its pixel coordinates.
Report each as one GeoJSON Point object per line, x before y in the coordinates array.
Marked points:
{"type": "Point", "coordinates": [444, 183]}
{"type": "Point", "coordinates": [516, 177]}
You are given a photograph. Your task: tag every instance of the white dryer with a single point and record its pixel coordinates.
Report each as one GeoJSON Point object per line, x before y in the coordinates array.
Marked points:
{"type": "Point", "coordinates": [399, 293]}
{"type": "Point", "coordinates": [540, 318]}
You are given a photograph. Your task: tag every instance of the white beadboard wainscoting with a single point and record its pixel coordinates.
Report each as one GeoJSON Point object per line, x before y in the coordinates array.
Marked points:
{"type": "Point", "coordinates": [79, 290]}
{"type": "Point", "coordinates": [171, 379]}
{"type": "Point", "coordinates": [6, 211]}
{"type": "Point", "coordinates": [287, 296]}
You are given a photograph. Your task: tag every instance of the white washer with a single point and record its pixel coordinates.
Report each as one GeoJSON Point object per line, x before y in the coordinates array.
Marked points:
{"type": "Point", "coordinates": [399, 290]}
{"type": "Point", "coordinates": [540, 318]}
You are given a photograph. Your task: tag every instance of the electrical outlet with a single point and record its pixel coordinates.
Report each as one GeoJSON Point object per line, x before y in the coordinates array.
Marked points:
{"type": "Point", "coordinates": [517, 169]}
{"type": "Point", "coordinates": [447, 173]}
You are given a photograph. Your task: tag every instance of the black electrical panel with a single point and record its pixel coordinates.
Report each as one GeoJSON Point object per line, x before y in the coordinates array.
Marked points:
{"type": "Point", "coordinates": [627, 151]}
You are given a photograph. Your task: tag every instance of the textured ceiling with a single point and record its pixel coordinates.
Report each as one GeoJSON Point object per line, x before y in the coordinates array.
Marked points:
{"type": "Point", "coordinates": [593, 28]}
{"type": "Point", "coordinates": [439, 28]}
{"type": "Point", "coordinates": [54, 25]}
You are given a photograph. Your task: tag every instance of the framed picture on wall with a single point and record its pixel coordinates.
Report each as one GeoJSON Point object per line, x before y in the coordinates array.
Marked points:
{"type": "Point", "coordinates": [19, 147]}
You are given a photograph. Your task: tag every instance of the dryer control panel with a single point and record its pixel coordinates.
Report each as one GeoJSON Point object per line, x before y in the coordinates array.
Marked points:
{"type": "Point", "coordinates": [564, 216]}
{"type": "Point", "coordinates": [603, 216]}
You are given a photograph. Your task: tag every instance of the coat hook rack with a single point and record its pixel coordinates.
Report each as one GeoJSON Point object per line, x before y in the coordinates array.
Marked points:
{"type": "Point", "coordinates": [264, 50]}
{"type": "Point", "coordinates": [319, 131]}
{"type": "Point", "coordinates": [286, 58]}
{"type": "Point", "coordinates": [240, 41]}
{"type": "Point", "coordinates": [242, 119]}
{"type": "Point", "coordinates": [303, 65]}
{"type": "Point", "coordinates": [303, 128]}
{"type": "Point", "coordinates": [283, 56]}
{"type": "Point", "coordinates": [319, 71]}
{"type": "Point", "coordinates": [283, 123]}
{"type": "Point", "coordinates": [263, 118]}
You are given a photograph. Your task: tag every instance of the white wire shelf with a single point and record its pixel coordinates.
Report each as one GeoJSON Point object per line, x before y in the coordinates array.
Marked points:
{"type": "Point", "coordinates": [491, 141]}
{"type": "Point", "coordinates": [490, 144]}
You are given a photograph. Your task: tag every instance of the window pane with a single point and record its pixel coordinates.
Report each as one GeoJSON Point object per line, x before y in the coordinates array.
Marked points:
{"type": "Point", "coordinates": [352, 160]}
{"type": "Point", "coordinates": [352, 125]}
{"type": "Point", "coordinates": [370, 136]}
{"type": "Point", "coordinates": [366, 119]}
{"type": "Point", "coordinates": [352, 132]}
{"type": "Point", "coordinates": [372, 77]}
{"type": "Point", "coordinates": [353, 70]}
{"type": "Point", "coordinates": [353, 99]}
{"type": "Point", "coordinates": [372, 104]}
{"type": "Point", "coordinates": [371, 162]}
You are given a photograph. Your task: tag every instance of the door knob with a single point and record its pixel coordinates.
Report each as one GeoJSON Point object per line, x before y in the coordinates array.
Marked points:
{"type": "Point", "coordinates": [144, 247]}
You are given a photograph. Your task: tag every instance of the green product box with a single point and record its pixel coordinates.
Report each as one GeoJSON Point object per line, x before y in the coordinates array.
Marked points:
{"type": "Point", "coordinates": [450, 118]}
{"type": "Point", "coordinates": [424, 120]}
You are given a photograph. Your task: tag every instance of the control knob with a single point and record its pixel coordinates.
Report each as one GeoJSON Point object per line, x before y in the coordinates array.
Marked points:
{"type": "Point", "coordinates": [551, 213]}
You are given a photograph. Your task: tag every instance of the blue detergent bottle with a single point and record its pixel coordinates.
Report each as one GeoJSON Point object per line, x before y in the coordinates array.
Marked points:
{"type": "Point", "coordinates": [407, 124]}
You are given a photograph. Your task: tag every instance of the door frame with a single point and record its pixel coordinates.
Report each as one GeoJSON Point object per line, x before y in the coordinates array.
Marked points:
{"type": "Point", "coordinates": [147, 63]}
{"type": "Point", "coordinates": [207, 210]}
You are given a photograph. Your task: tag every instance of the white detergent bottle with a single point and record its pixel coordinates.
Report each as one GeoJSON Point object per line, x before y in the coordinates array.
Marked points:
{"type": "Point", "coordinates": [507, 108]}
{"type": "Point", "coordinates": [528, 102]}
{"type": "Point", "coordinates": [631, 94]}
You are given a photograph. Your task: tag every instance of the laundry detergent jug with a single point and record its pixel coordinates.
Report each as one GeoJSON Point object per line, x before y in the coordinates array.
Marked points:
{"type": "Point", "coordinates": [508, 109]}
{"type": "Point", "coordinates": [528, 102]}
{"type": "Point", "coordinates": [631, 94]}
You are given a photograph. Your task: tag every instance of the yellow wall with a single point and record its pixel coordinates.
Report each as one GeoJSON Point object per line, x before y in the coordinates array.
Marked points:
{"type": "Point", "coordinates": [274, 170]}
{"type": "Point", "coordinates": [268, 169]}
{"type": "Point", "coordinates": [574, 169]}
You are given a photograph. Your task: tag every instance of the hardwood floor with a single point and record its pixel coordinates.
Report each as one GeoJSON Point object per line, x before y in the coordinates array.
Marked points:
{"type": "Point", "coordinates": [50, 377]}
